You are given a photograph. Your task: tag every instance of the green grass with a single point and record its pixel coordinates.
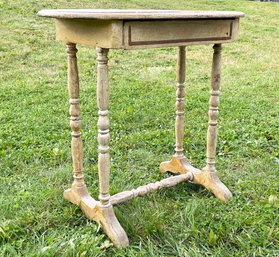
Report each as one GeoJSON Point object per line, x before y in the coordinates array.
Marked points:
{"type": "Point", "coordinates": [186, 220]}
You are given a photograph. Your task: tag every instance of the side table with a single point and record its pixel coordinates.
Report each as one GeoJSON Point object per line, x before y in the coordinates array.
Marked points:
{"type": "Point", "coordinates": [140, 29]}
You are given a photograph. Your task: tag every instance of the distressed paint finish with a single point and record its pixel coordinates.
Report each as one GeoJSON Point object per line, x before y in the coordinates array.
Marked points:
{"type": "Point", "coordinates": [78, 187]}
{"type": "Point", "coordinates": [210, 179]}
{"type": "Point", "coordinates": [150, 188]}
{"type": "Point", "coordinates": [148, 34]}
{"type": "Point", "coordinates": [106, 214]}
{"type": "Point", "coordinates": [140, 29]}
{"type": "Point", "coordinates": [180, 93]}
{"type": "Point", "coordinates": [179, 164]}
{"type": "Point", "coordinates": [102, 211]}
{"type": "Point", "coordinates": [103, 125]}
{"type": "Point", "coordinates": [213, 108]}
{"type": "Point", "coordinates": [137, 14]}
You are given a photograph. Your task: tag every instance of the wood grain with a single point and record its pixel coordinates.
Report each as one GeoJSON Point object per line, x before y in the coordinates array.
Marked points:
{"type": "Point", "coordinates": [213, 108]}
{"type": "Point", "coordinates": [150, 188]}
{"type": "Point", "coordinates": [140, 29]}
{"type": "Point", "coordinates": [180, 93]}
{"type": "Point", "coordinates": [78, 187]}
{"type": "Point", "coordinates": [103, 125]}
{"type": "Point", "coordinates": [132, 14]}
{"type": "Point", "coordinates": [147, 33]}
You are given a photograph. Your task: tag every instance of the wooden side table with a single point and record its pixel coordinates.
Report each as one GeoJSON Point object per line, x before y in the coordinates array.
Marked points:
{"type": "Point", "coordinates": [140, 29]}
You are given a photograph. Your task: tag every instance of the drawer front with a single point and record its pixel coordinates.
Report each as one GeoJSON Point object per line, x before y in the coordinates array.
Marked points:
{"type": "Point", "coordinates": [145, 34]}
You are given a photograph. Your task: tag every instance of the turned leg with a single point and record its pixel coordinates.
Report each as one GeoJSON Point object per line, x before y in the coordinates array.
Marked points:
{"type": "Point", "coordinates": [78, 188]}
{"type": "Point", "coordinates": [209, 177]}
{"type": "Point", "coordinates": [180, 93]}
{"type": "Point", "coordinates": [107, 219]}
{"type": "Point", "coordinates": [102, 211]}
{"type": "Point", "coordinates": [103, 126]}
{"type": "Point", "coordinates": [178, 163]}
{"type": "Point", "coordinates": [213, 109]}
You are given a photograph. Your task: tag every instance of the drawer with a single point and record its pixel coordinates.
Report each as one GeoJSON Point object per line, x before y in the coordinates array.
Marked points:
{"type": "Point", "coordinates": [159, 33]}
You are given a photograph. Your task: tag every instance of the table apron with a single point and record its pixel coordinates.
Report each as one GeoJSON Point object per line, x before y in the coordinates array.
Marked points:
{"type": "Point", "coordinates": [123, 34]}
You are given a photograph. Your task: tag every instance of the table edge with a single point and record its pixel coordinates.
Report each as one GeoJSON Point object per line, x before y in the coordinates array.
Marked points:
{"type": "Point", "coordinates": [127, 14]}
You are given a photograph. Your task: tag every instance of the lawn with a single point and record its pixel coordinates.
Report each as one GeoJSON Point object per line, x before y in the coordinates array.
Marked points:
{"type": "Point", "coordinates": [186, 220]}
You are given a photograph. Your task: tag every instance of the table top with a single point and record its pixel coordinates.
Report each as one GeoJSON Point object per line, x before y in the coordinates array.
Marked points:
{"type": "Point", "coordinates": [133, 14]}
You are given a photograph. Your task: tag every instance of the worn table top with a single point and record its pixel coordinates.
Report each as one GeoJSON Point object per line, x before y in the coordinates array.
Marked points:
{"type": "Point", "coordinates": [130, 14]}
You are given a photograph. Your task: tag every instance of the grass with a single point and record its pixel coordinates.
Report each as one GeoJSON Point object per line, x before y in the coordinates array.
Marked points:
{"type": "Point", "coordinates": [185, 220]}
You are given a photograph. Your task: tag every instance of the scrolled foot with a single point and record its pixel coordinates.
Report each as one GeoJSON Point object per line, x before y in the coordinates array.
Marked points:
{"type": "Point", "coordinates": [103, 215]}
{"type": "Point", "coordinates": [111, 226]}
{"type": "Point", "coordinates": [211, 181]}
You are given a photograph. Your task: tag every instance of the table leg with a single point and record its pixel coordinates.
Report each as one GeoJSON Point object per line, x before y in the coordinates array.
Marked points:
{"type": "Point", "coordinates": [78, 189]}
{"type": "Point", "coordinates": [213, 109]}
{"type": "Point", "coordinates": [209, 177]}
{"type": "Point", "coordinates": [180, 94]}
{"type": "Point", "coordinates": [102, 211]}
{"type": "Point", "coordinates": [103, 126]}
{"type": "Point", "coordinates": [179, 163]}
{"type": "Point", "coordinates": [107, 217]}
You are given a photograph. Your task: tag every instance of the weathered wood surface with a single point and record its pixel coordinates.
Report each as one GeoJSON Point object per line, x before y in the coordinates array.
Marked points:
{"type": "Point", "coordinates": [94, 33]}
{"type": "Point", "coordinates": [149, 188]}
{"type": "Point", "coordinates": [105, 215]}
{"type": "Point", "coordinates": [102, 211]}
{"type": "Point", "coordinates": [210, 179]}
{"type": "Point", "coordinates": [146, 34]}
{"type": "Point", "coordinates": [137, 33]}
{"type": "Point", "coordinates": [180, 94]}
{"type": "Point", "coordinates": [132, 29]}
{"type": "Point", "coordinates": [137, 29]}
{"type": "Point", "coordinates": [142, 34]}
{"type": "Point", "coordinates": [103, 125]}
{"type": "Point", "coordinates": [122, 14]}
{"type": "Point", "coordinates": [178, 164]}
{"type": "Point", "coordinates": [213, 109]}
{"type": "Point", "coordinates": [78, 188]}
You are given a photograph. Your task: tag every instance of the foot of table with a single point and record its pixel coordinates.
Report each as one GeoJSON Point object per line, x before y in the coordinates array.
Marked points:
{"type": "Point", "coordinates": [101, 212]}
{"type": "Point", "coordinates": [210, 180]}
{"type": "Point", "coordinates": [103, 215]}
{"type": "Point", "coordinates": [106, 218]}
